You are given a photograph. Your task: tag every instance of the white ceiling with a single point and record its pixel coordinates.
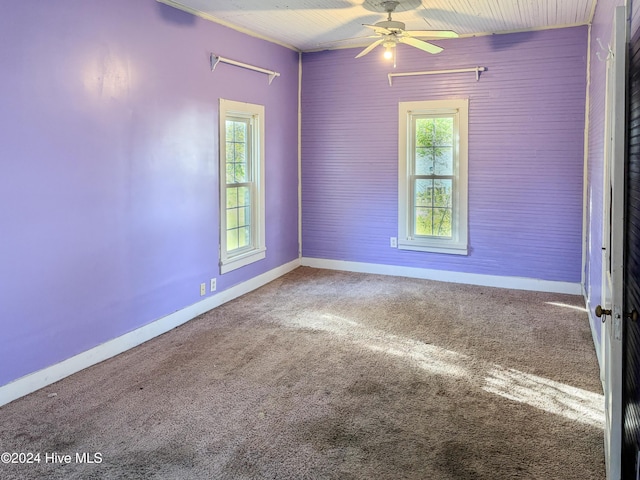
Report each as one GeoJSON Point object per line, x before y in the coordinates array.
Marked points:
{"type": "Point", "coordinates": [309, 25]}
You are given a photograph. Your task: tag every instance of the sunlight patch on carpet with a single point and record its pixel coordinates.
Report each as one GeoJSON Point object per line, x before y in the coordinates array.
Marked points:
{"type": "Point", "coordinates": [554, 397]}
{"type": "Point", "coordinates": [428, 357]}
{"type": "Point", "coordinates": [566, 305]}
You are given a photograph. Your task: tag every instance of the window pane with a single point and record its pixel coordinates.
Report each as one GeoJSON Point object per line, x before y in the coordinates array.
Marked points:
{"type": "Point", "coordinates": [443, 159]}
{"type": "Point", "coordinates": [244, 218]}
{"type": "Point", "coordinates": [230, 174]}
{"type": "Point", "coordinates": [423, 193]}
{"type": "Point", "coordinates": [229, 127]}
{"type": "Point", "coordinates": [423, 221]}
{"type": "Point", "coordinates": [240, 172]}
{"type": "Point", "coordinates": [232, 197]}
{"type": "Point", "coordinates": [244, 237]}
{"type": "Point", "coordinates": [442, 222]}
{"type": "Point", "coordinates": [424, 132]}
{"type": "Point", "coordinates": [433, 222]}
{"type": "Point", "coordinates": [232, 218]}
{"type": "Point", "coordinates": [239, 152]}
{"type": "Point", "coordinates": [232, 239]}
{"type": "Point", "coordinates": [443, 132]}
{"type": "Point", "coordinates": [243, 197]}
{"type": "Point", "coordinates": [442, 193]}
{"type": "Point", "coordinates": [230, 151]}
{"type": "Point", "coordinates": [240, 131]}
{"type": "Point", "coordinates": [424, 161]}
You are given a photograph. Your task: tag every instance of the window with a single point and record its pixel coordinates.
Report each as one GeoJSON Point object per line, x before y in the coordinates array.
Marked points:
{"type": "Point", "coordinates": [432, 187]}
{"type": "Point", "coordinates": [242, 239]}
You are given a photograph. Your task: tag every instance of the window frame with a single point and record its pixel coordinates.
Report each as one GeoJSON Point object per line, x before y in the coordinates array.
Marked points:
{"type": "Point", "coordinates": [457, 244]}
{"type": "Point", "coordinates": [254, 115]}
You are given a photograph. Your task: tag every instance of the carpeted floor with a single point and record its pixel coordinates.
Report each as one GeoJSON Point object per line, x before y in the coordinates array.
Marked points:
{"type": "Point", "coordinates": [334, 375]}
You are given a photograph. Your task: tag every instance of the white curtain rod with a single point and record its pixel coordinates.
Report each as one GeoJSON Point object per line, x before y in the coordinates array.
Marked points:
{"type": "Point", "coordinates": [215, 59]}
{"type": "Point", "coordinates": [438, 72]}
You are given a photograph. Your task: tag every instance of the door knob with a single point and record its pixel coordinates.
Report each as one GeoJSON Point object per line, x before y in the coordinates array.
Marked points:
{"type": "Point", "coordinates": [633, 315]}
{"type": "Point", "coordinates": [602, 311]}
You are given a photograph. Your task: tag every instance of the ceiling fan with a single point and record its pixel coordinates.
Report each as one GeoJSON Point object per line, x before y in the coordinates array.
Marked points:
{"type": "Point", "coordinates": [390, 33]}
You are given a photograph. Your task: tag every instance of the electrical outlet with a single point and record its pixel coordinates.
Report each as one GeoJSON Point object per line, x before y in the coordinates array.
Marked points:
{"type": "Point", "coordinates": [213, 285]}
{"type": "Point", "coordinates": [203, 289]}
{"type": "Point", "coordinates": [393, 241]}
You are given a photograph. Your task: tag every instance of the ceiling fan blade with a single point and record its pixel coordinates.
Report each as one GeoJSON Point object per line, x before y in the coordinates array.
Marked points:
{"type": "Point", "coordinates": [370, 47]}
{"type": "Point", "coordinates": [427, 47]}
{"type": "Point", "coordinates": [378, 30]}
{"type": "Point", "coordinates": [432, 33]}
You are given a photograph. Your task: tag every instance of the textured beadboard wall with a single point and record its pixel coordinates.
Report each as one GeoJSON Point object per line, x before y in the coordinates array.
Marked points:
{"type": "Point", "coordinates": [526, 130]}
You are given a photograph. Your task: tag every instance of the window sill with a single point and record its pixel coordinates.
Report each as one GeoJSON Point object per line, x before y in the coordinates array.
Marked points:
{"type": "Point", "coordinates": [230, 264]}
{"type": "Point", "coordinates": [448, 248]}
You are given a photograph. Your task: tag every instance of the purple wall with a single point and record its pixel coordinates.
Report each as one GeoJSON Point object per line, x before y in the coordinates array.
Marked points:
{"type": "Point", "coordinates": [108, 168]}
{"type": "Point", "coordinates": [601, 29]}
{"type": "Point", "coordinates": [526, 136]}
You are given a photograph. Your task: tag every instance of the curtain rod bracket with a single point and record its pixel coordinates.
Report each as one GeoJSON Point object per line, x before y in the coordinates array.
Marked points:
{"type": "Point", "coordinates": [214, 63]}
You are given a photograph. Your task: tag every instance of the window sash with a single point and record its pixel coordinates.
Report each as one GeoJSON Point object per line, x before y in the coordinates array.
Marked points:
{"type": "Point", "coordinates": [434, 207]}
{"type": "Point", "coordinates": [241, 210]}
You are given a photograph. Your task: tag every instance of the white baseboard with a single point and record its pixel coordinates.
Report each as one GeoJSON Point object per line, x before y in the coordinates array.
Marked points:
{"type": "Point", "coordinates": [37, 380]}
{"type": "Point", "coordinates": [517, 283]}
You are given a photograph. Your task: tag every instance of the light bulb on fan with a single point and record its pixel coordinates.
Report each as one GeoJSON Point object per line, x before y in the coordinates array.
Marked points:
{"type": "Point", "coordinates": [390, 51]}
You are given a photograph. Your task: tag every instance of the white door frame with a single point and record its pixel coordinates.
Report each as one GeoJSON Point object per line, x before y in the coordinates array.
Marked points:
{"type": "Point", "coordinates": [613, 242]}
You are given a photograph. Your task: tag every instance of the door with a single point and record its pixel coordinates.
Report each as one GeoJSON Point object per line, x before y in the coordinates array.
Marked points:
{"type": "Point", "coordinates": [631, 334]}
{"type": "Point", "coordinates": [612, 244]}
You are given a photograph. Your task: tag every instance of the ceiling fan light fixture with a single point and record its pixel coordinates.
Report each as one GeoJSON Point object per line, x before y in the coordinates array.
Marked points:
{"type": "Point", "coordinates": [389, 49]}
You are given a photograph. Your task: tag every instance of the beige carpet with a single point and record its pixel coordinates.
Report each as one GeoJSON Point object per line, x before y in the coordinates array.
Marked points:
{"type": "Point", "coordinates": [334, 375]}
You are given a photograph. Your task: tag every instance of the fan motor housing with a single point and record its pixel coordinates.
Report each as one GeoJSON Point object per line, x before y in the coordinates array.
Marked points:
{"type": "Point", "coordinates": [391, 25]}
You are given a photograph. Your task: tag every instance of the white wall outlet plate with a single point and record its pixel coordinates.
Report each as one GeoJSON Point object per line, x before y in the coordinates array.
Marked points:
{"type": "Point", "coordinates": [213, 285]}
{"type": "Point", "coordinates": [393, 241]}
{"type": "Point", "coordinates": [203, 289]}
